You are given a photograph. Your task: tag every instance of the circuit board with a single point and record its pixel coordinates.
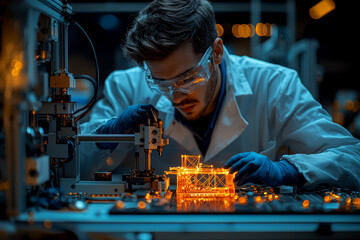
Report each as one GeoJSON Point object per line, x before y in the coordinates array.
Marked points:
{"type": "Point", "coordinates": [250, 199]}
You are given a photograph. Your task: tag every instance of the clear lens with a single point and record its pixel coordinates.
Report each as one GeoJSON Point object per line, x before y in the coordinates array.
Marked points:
{"type": "Point", "coordinates": [186, 83]}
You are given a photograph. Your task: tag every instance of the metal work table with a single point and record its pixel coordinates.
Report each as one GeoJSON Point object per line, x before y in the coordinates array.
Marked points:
{"type": "Point", "coordinates": [97, 220]}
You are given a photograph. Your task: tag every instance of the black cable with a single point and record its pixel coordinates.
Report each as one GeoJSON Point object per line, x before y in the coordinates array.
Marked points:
{"type": "Point", "coordinates": [93, 99]}
{"type": "Point", "coordinates": [92, 102]}
{"type": "Point", "coordinates": [88, 106]}
{"type": "Point", "coordinates": [93, 49]}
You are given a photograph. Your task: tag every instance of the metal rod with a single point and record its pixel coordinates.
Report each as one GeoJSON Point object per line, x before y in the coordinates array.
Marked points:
{"type": "Point", "coordinates": [147, 159]}
{"type": "Point", "coordinates": [124, 138]}
{"type": "Point", "coordinates": [136, 160]}
{"type": "Point", "coordinates": [255, 17]}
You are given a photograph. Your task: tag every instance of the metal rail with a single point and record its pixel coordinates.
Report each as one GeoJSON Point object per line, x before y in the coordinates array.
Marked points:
{"type": "Point", "coordinates": [124, 138]}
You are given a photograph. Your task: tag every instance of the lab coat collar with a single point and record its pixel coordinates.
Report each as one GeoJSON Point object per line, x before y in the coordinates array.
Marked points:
{"type": "Point", "coordinates": [230, 123]}
{"type": "Point", "coordinates": [235, 76]}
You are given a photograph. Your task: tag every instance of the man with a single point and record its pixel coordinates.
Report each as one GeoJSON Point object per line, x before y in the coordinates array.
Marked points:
{"type": "Point", "coordinates": [235, 111]}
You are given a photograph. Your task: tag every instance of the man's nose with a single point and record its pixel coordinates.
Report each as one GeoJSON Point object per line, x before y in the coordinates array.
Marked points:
{"type": "Point", "coordinates": [178, 97]}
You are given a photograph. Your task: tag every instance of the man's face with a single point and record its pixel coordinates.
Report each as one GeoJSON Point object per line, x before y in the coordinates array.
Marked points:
{"type": "Point", "coordinates": [200, 102]}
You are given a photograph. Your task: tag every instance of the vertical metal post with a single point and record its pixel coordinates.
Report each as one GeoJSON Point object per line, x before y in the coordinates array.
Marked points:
{"type": "Point", "coordinates": [291, 20]}
{"type": "Point", "coordinates": [20, 22]}
{"type": "Point", "coordinates": [14, 124]}
{"type": "Point", "coordinates": [255, 17]}
{"type": "Point", "coordinates": [137, 160]}
{"type": "Point", "coordinates": [55, 65]}
{"type": "Point", "coordinates": [147, 159]}
{"type": "Point", "coordinates": [15, 111]}
{"type": "Point", "coordinates": [310, 63]}
{"type": "Point", "coordinates": [63, 46]}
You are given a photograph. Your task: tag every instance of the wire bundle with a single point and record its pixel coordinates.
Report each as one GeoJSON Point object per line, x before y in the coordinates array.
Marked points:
{"type": "Point", "coordinates": [87, 108]}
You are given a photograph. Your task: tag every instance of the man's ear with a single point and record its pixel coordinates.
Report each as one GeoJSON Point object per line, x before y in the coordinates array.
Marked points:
{"type": "Point", "coordinates": [218, 50]}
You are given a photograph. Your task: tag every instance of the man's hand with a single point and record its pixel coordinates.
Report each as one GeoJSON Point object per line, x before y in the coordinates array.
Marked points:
{"type": "Point", "coordinates": [258, 169]}
{"type": "Point", "coordinates": [128, 122]}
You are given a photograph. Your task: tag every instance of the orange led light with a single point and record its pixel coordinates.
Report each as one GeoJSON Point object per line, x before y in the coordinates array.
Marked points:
{"type": "Point", "coordinates": [14, 72]}
{"type": "Point", "coordinates": [120, 204]}
{"type": "Point", "coordinates": [336, 197]}
{"type": "Point", "coordinates": [220, 30]}
{"type": "Point", "coordinates": [270, 197]}
{"type": "Point", "coordinates": [327, 198]}
{"type": "Point", "coordinates": [321, 9]}
{"type": "Point", "coordinates": [234, 30]}
{"type": "Point", "coordinates": [242, 200]}
{"type": "Point", "coordinates": [306, 203]}
{"type": "Point", "coordinates": [258, 199]}
{"type": "Point", "coordinates": [356, 202]}
{"type": "Point", "coordinates": [18, 65]}
{"type": "Point", "coordinates": [263, 29]}
{"type": "Point", "coordinates": [30, 219]}
{"type": "Point", "coordinates": [141, 205]}
{"type": "Point", "coordinates": [243, 30]}
{"type": "Point", "coordinates": [47, 224]}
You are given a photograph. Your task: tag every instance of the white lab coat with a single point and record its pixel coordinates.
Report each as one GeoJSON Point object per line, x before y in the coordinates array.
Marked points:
{"type": "Point", "coordinates": [265, 108]}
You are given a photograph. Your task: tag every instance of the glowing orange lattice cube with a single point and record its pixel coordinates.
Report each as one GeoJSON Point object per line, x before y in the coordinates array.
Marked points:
{"type": "Point", "coordinates": [199, 181]}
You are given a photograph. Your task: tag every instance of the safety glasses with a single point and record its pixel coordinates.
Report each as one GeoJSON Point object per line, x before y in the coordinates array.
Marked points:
{"type": "Point", "coordinates": [186, 82]}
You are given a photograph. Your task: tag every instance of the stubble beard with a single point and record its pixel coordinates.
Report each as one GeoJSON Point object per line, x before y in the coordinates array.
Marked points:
{"type": "Point", "coordinates": [209, 95]}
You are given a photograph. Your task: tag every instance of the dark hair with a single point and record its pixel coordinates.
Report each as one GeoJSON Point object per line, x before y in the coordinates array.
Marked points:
{"type": "Point", "coordinates": [165, 24]}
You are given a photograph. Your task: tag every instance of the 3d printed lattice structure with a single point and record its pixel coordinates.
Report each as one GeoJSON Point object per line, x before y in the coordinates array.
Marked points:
{"type": "Point", "coordinates": [196, 180]}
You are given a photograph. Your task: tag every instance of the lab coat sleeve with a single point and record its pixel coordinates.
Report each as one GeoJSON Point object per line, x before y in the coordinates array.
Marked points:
{"type": "Point", "coordinates": [118, 91]}
{"type": "Point", "coordinates": [118, 94]}
{"type": "Point", "coordinates": [325, 152]}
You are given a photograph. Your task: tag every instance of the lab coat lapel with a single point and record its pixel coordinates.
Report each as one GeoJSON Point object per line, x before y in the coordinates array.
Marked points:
{"type": "Point", "coordinates": [175, 129]}
{"type": "Point", "coordinates": [230, 123]}
{"type": "Point", "coordinates": [229, 126]}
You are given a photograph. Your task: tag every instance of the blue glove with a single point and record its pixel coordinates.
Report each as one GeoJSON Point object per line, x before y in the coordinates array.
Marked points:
{"type": "Point", "coordinates": [128, 122]}
{"type": "Point", "coordinates": [259, 169]}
